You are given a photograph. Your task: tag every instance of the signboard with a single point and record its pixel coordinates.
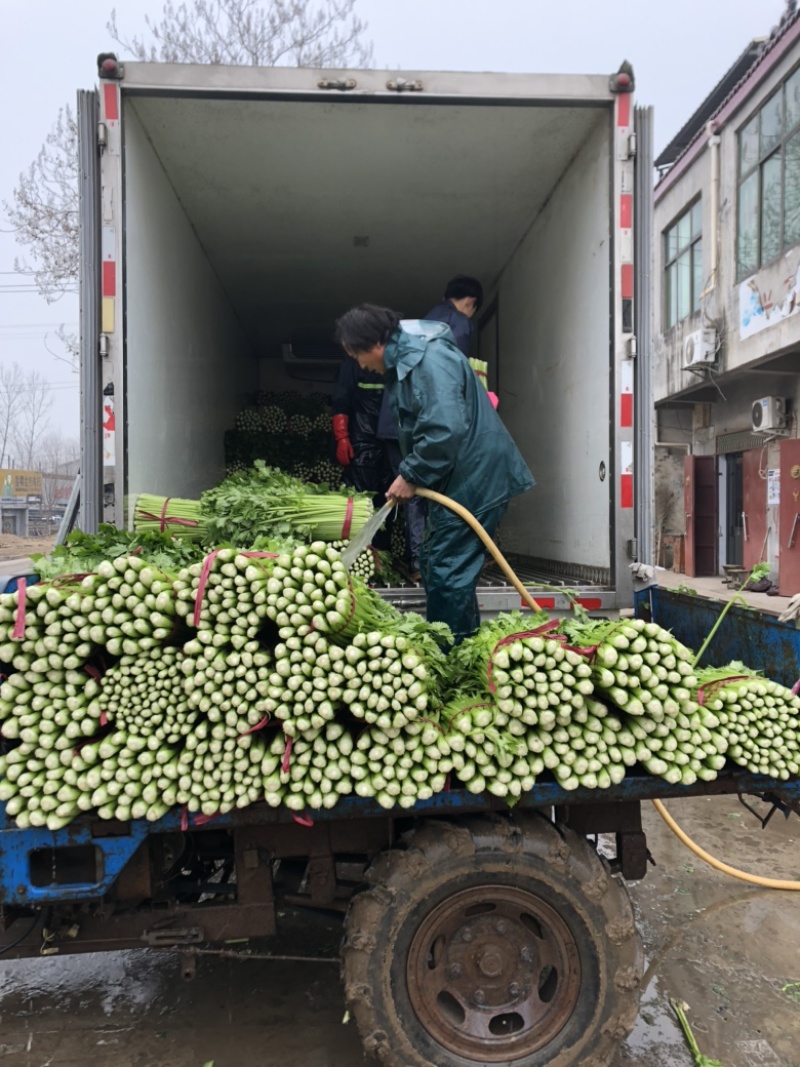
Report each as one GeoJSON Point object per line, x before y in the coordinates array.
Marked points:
{"type": "Point", "coordinates": [23, 483]}
{"type": "Point", "coordinates": [773, 488]}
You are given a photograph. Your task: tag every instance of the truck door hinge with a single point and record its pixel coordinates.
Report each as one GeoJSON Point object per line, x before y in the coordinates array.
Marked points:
{"type": "Point", "coordinates": [343, 84]}
{"type": "Point", "coordinates": [633, 548]}
{"type": "Point", "coordinates": [632, 146]}
{"type": "Point", "coordinates": [632, 347]}
{"type": "Point", "coordinates": [102, 135]}
{"type": "Point", "coordinates": [103, 344]}
{"type": "Point", "coordinates": [402, 85]}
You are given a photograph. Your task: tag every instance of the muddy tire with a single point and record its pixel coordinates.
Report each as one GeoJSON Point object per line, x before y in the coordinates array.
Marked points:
{"type": "Point", "coordinates": [494, 940]}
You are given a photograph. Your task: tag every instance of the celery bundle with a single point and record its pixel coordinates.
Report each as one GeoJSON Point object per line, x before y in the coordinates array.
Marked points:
{"type": "Point", "coordinates": [264, 501]}
{"type": "Point", "coordinates": [168, 514]}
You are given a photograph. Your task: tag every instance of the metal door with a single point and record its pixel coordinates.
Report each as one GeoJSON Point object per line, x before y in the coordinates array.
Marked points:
{"type": "Point", "coordinates": [789, 557]}
{"type": "Point", "coordinates": [701, 505]}
{"type": "Point", "coordinates": [754, 509]}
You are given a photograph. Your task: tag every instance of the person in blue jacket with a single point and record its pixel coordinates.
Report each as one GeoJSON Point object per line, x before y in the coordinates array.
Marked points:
{"type": "Point", "coordinates": [451, 440]}
{"type": "Point", "coordinates": [463, 297]}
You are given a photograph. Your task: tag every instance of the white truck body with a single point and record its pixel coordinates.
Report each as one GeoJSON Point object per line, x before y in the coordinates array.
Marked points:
{"type": "Point", "coordinates": [230, 212]}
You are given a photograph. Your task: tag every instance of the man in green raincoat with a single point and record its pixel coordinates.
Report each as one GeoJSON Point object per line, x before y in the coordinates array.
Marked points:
{"type": "Point", "coordinates": [452, 441]}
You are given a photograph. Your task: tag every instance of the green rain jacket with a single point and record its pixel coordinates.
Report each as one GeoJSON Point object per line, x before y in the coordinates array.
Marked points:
{"type": "Point", "coordinates": [450, 436]}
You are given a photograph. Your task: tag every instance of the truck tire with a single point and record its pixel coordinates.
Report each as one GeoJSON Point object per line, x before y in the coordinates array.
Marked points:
{"type": "Point", "coordinates": [498, 939]}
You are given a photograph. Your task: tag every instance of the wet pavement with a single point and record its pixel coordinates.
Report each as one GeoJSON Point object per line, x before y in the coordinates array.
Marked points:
{"type": "Point", "coordinates": [728, 950]}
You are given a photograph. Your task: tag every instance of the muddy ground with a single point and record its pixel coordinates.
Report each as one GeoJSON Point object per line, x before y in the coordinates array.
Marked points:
{"type": "Point", "coordinates": [729, 951]}
{"type": "Point", "coordinates": [18, 548]}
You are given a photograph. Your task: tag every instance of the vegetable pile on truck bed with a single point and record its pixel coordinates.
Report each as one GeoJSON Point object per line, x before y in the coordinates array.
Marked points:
{"type": "Point", "coordinates": [278, 676]}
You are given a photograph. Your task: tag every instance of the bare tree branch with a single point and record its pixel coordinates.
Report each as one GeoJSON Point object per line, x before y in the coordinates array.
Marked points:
{"type": "Point", "coordinates": [12, 384]}
{"type": "Point", "coordinates": [71, 353]}
{"type": "Point", "coordinates": [32, 408]}
{"type": "Point", "coordinates": [307, 33]}
{"type": "Point", "coordinates": [44, 211]}
{"type": "Point", "coordinates": [302, 33]}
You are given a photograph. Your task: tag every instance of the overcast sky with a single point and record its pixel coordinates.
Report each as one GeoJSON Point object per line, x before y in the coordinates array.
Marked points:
{"type": "Point", "coordinates": [679, 51]}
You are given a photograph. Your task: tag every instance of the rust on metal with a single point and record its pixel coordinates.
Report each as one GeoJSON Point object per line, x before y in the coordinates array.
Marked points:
{"type": "Point", "coordinates": [493, 973]}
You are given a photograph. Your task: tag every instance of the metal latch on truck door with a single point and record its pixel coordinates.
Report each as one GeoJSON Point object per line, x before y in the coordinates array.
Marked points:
{"type": "Point", "coordinates": [401, 85]}
{"type": "Point", "coordinates": [337, 83]}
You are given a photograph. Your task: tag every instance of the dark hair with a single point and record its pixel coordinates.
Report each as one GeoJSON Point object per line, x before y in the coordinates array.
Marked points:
{"type": "Point", "coordinates": [365, 326]}
{"type": "Point", "coordinates": [462, 285]}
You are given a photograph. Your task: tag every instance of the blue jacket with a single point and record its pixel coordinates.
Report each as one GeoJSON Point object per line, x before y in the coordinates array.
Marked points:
{"type": "Point", "coordinates": [450, 436]}
{"type": "Point", "coordinates": [458, 322]}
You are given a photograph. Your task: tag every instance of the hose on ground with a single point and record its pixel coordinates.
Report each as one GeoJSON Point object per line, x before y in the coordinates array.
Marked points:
{"type": "Point", "coordinates": [718, 865]}
{"type": "Point", "coordinates": [505, 567]}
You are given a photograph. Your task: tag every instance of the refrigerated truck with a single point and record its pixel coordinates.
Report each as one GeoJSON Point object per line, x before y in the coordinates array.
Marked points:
{"type": "Point", "coordinates": [228, 215]}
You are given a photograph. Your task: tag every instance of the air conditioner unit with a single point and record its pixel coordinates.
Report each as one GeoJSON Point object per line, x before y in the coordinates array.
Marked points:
{"type": "Point", "coordinates": [769, 413]}
{"type": "Point", "coordinates": [700, 348]}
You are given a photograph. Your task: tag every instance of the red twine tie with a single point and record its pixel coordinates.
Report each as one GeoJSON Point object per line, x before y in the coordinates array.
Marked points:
{"type": "Point", "coordinates": [348, 519]}
{"type": "Point", "coordinates": [712, 687]}
{"type": "Point", "coordinates": [163, 519]}
{"type": "Point", "coordinates": [201, 820]}
{"type": "Point", "coordinates": [208, 562]}
{"type": "Point", "coordinates": [287, 755]}
{"type": "Point", "coordinates": [303, 820]}
{"type": "Point", "coordinates": [257, 727]}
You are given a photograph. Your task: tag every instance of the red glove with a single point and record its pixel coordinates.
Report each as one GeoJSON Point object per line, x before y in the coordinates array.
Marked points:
{"type": "Point", "coordinates": [344, 450]}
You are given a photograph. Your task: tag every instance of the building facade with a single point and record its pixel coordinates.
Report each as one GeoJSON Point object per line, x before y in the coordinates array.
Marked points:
{"type": "Point", "coordinates": [726, 304]}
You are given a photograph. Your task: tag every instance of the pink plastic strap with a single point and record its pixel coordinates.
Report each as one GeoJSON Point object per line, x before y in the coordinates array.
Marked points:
{"type": "Point", "coordinates": [103, 719]}
{"type": "Point", "coordinates": [287, 755]}
{"type": "Point", "coordinates": [712, 687]}
{"type": "Point", "coordinates": [495, 399]}
{"type": "Point", "coordinates": [796, 688]}
{"type": "Point", "coordinates": [201, 820]}
{"type": "Point", "coordinates": [19, 625]}
{"type": "Point", "coordinates": [184, 818]}
{"type": "Point", "coordinates": [302, 820]}
{"type": "Point", "coordinates": [92, 671]}
{"type": "Point", "coordinates": [208, 563]}
{"type": "Point", "coordinates": [348, 519]}
{"type": "Point", "coordinates": [256, 728]}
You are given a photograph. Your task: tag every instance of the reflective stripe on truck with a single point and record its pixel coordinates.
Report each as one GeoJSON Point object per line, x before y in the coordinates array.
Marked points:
{"type": "Point", "coordinates": [626, 289]}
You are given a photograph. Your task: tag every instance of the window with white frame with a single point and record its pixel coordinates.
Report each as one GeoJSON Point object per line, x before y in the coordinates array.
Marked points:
{"type": "Point", "coordinates": [683, 265]}
{"type": "Point", "coordinates": [769, 180]}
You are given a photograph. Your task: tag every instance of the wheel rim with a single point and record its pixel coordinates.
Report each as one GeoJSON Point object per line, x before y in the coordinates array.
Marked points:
{"type": "Point", "coordinates": [493, 973]}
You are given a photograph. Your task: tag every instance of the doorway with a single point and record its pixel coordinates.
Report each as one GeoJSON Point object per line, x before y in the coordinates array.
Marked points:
{"type": "Point", "coordinates": [734, 508]}
{"type": "Point", "coordinates": [701, 506]}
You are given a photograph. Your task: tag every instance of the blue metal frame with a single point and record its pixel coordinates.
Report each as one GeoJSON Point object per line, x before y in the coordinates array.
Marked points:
{"type": "Point", "coordinates": [115, 852]}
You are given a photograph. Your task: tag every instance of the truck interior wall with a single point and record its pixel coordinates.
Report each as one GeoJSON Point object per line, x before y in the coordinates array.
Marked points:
{"type": "Point", "coordinates": [189, 363]}
{"type": "Point", "coordinates": [554, 365]}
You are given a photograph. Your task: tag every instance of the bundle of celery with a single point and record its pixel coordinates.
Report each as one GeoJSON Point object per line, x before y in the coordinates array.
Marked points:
{"type": "Point", "coordinates": [266, 502]}
{"type": "Point", "coordinates": [481, 368]}
{"type": "Point", "coordinates": [168, 514]}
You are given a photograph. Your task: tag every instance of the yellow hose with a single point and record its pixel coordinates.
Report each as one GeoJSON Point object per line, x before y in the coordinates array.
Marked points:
{"type": "Point", "coordinates": [472, 522]}
{"type": "Point", "coordinates": [503, 564]}
{"type": "Point", "coordinates": [718, 865]}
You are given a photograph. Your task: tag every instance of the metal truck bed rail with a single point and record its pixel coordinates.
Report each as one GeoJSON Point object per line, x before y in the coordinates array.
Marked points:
{"type": "Point", "coordinates": [116, 843]}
